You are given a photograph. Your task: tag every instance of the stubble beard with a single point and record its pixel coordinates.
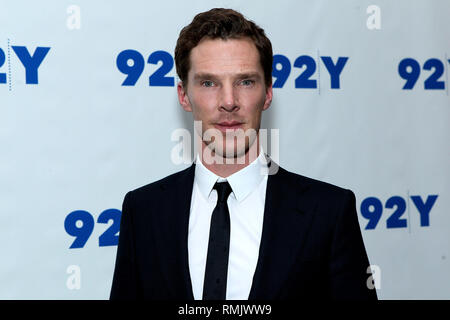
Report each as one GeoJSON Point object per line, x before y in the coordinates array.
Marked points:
{"type": "Point", "coordinates": [231, 147]}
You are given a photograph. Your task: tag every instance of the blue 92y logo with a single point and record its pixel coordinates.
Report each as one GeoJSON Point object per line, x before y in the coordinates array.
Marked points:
{"type": "Point", "coordinates": [372, 209]}
{"type": "Point", "coordinates": [132, 64]}
{"type": "Point", "coordinates": [30, 62]}
{"type": "Point", "coordinates": [80, 224]}
{"type": "Point", "coordinates": [409, 70]}
{"type": "Point", "coordinates": [281, 69]}
{"type": "Point", "coordinates": [134, 71]}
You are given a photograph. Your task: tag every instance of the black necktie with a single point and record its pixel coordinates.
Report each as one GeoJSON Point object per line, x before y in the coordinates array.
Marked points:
{"type": "Point", "coordinates": [215, 284]}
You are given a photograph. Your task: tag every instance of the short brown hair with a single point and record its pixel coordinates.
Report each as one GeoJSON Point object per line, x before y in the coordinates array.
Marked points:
{"type": "Point", "coordinates": [224, 24]}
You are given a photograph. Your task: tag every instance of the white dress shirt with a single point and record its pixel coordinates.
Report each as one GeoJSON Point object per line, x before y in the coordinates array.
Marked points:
{"type": "Point", "coordinates": [246, 207]}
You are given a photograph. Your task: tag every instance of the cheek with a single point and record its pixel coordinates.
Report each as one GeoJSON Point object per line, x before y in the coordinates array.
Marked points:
{"type": "Point", "coordinates": [202, 106]}
{"type": "Point", "coordinates": [254, 97]}
{"type": "Point", "coordinates": [253, 103]}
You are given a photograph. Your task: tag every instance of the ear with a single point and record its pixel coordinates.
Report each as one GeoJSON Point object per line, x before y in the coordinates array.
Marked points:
{"type": "Point", "coordinates": [183, 97]}
{"type": "Point", "coordinates": [269, 96]}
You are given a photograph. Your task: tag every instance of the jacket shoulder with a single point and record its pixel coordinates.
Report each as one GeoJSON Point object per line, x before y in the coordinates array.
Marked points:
{"type": "Point", "coordinates": [314, 186]}
{"type": "Point", "coordinates": [164, 183]}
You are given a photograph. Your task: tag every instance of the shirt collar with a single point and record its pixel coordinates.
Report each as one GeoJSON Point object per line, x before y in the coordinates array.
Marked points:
{"type": "Point", "coordinates": [242, 182]}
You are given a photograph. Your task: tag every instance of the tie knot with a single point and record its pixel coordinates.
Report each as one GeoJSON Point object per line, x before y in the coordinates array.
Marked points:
{"type": "Point", "coordinates": [223, 190]}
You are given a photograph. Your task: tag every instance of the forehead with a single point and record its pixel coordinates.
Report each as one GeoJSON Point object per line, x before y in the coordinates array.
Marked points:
{"type": "Point", "coordinates": [225, 56]}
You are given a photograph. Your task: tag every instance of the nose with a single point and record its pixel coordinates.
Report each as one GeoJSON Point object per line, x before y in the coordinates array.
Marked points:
{"type": "Point", "coordinates": [229, 101]}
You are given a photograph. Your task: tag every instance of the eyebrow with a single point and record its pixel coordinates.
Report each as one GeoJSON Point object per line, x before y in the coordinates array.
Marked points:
{"type": "Point", "coordinates": [202, 76]}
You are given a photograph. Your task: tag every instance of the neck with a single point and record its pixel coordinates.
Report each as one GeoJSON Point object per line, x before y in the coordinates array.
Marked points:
{"type": "Point", "coordinates": [224, 169]}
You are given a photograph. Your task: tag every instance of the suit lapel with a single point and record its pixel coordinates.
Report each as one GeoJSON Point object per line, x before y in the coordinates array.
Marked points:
{"type": "Point", "coordinates": [287, 217]}
{"type": "Point", "coordinates": [172, 228]}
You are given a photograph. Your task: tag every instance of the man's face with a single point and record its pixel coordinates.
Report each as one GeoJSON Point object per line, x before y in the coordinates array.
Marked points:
{"type": "Point", "coordinates": [226, 90]}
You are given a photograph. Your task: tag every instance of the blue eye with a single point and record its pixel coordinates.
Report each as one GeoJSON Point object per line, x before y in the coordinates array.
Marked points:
{"type": "Point", "coordinates": [208, 83]}
{"type": "Point", "coordinates": [247, 82]}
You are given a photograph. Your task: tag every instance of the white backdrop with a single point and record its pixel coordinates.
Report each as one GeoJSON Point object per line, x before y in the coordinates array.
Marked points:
{"type": "Point", "coordinates": [73, 138]}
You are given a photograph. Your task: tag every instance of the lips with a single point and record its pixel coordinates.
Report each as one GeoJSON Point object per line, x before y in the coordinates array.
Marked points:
{"type": "Point", "coordinates": [228, 125]}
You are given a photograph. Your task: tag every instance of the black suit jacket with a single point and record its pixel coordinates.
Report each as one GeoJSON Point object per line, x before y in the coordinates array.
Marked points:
{"type": "Point", "coordinates": [311, 244]}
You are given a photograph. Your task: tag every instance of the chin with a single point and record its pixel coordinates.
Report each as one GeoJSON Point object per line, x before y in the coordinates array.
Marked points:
{"type": "Point", "coordinates": [228, 155]}
{"type": "Point", "coordinates": [234, 154]}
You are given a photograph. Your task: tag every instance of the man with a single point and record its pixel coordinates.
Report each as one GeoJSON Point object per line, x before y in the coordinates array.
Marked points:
{"type": "Point", "coordinates": [226, 228]}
